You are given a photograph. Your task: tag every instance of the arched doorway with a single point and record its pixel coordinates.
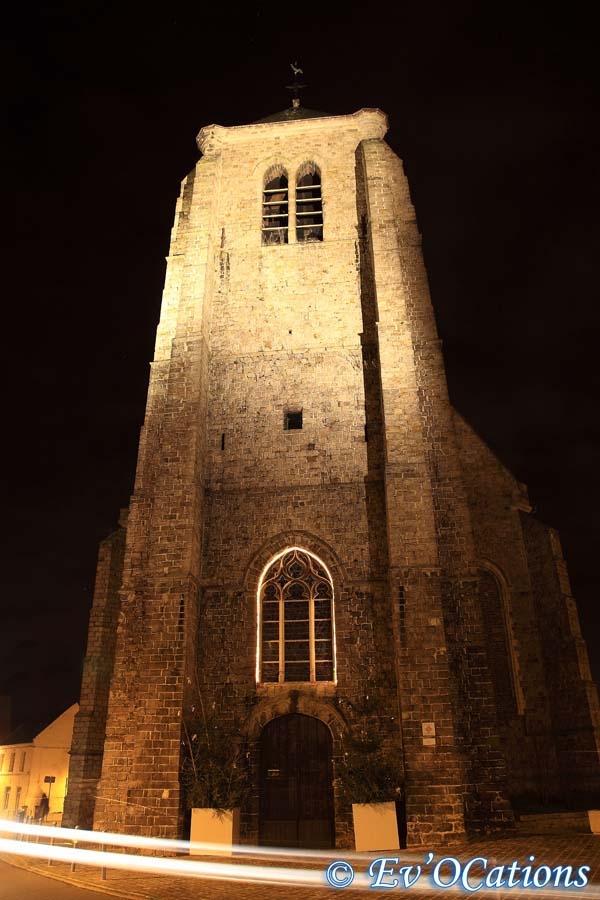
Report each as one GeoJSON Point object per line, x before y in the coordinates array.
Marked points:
{"type": "Point", "coordinates": [296, 783]}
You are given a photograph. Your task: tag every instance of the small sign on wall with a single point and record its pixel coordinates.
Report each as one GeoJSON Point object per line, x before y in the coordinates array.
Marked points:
{"type": "Point", "coordinates": [428, 731]}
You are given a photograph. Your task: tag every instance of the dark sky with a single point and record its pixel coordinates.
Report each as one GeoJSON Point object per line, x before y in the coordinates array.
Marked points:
{"type": "Point", "coordinates": [493, 108]}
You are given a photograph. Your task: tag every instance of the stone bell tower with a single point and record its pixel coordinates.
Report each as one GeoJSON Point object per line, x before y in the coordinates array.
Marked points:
{"type": "Point", "coordinates": [300, 548]}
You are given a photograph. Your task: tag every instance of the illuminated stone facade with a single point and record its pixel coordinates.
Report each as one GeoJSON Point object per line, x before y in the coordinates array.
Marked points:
{"type": "Point", "coordinates": [298, 399]}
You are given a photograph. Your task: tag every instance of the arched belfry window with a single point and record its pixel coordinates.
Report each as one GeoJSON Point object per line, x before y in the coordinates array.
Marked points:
{"type": "Point", "coordinates": [295, 620]}
{"type": "Point", "coordinates": [275, 208]}
{"type": "Point", "coordinates": [309, 204]}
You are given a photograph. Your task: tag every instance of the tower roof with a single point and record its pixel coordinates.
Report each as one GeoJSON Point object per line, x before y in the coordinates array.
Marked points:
{"type": "Point", "coordinates": [292, 113]}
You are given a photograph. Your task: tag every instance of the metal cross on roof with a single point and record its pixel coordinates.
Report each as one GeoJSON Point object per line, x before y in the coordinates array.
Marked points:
{"type": "Point", "coordinates": [296, 87]}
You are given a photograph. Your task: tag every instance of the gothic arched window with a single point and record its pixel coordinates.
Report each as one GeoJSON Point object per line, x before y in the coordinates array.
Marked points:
{"type": "Point", "coordinates": [275, 208]}
{"type": "Point", "coordinates": [502, 659]}
{"type": "Point", "coordinates": [309, 204]}
{"type": "Point", "coordinates": [296, 628]}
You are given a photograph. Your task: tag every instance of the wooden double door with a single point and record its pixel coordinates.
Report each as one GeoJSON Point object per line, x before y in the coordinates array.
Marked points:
{"type": "Point", "coordinates": [296, 783]}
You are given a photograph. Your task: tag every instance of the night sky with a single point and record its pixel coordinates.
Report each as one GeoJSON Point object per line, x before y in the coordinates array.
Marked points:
{"type": "Point", "coordinates": [494, 110]}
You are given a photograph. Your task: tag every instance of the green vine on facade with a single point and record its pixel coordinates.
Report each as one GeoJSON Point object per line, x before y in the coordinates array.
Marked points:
{"type": "Point", "coordinates": [371, 768]}
{"type": "Point", "coordinates": [367, 773]}
{"type": "Point", "coordinates": [213, 770]}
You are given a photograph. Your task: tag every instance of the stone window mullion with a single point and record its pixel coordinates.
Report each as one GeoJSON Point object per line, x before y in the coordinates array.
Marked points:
{"type": "Point", "coordinates": [281, 638]}
{"type": "Point", "coordinates": [311, 639]}
{"type": "Point", "coordinates": [292, 212]}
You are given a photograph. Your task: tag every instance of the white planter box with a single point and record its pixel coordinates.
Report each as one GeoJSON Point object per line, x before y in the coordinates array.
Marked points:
{"type": "Point", "coordinates": [375, 826]}
{"type": "Point", "coordinates": [220, 828]}
{"type": "Point", "coordinates": [594, 820]}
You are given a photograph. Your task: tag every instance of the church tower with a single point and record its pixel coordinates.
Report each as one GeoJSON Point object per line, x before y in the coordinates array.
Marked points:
{"type": "Point", "coordinates": [306, 559]}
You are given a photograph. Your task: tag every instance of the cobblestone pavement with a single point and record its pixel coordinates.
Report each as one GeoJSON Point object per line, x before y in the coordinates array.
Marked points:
{"type": "Point", "coordinates": [573, 850]}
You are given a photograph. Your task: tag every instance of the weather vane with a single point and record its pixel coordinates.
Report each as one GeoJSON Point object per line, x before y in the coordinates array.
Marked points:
{"type": "Point", "coordinates": [296, 87]}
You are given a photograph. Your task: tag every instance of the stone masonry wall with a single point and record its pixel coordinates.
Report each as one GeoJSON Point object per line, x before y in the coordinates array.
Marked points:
{"type": "Point", "coordinates": [551, 740]}
{"type": "Point", "coordinates": [444, 680]}
{"type": "Point", "coordinates": [89, 728]}
{"type": "Point", "coordinates": [575, 714]}
{"type": "Point", "coordinates": [286, 334]}
{"type": "Point", "coordinates": [382, 482]}
{"type": "Point", "coordinates": [496, 500]}
{"type": "Point", "coordinates": [139, 788]}
{"type": "Point", "coordinates": [292, 327]}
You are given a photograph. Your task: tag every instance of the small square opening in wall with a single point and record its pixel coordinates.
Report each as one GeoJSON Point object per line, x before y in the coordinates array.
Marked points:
{"type": "Point", "coordinates": [292, 420]}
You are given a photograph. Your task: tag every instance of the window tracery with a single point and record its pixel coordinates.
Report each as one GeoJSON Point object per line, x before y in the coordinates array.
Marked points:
{"type": "Point", "coordinates": [296, 620]}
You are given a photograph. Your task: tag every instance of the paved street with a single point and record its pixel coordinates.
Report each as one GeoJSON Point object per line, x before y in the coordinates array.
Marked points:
{"type": "Point", "coordinates": [17, 883]}
{"type": "Point", "coordinates": [573, 850]}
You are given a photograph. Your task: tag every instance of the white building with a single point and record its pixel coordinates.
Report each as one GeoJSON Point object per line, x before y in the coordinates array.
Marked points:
{"type": "Point", "coordinates": [24, 768]}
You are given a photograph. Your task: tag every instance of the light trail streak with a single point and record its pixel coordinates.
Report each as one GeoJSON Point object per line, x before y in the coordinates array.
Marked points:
{"type": "Point", "coordinates": [238, 871]}
{"type": "Point", "coordinates": [136, 841]}
{"type": "Point", "coordinates": [164, 866]}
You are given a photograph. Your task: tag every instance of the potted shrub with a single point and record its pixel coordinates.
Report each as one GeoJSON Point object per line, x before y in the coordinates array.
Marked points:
{"type": "Point", "coordinates": [214, 781]}
{"type": "Point", "coordinates": [370, 780]}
